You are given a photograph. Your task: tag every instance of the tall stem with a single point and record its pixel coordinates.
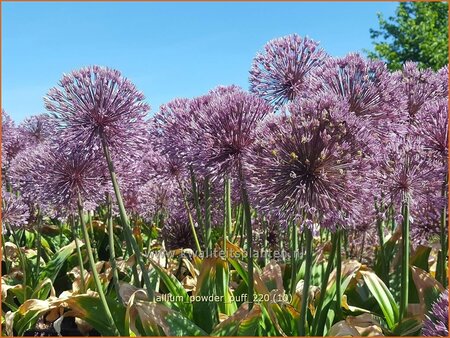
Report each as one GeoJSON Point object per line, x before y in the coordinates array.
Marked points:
{"type": "Point", "coordinates": [5, 258]}
{"type": "Point", "coordinates": [191, 220]}
{"type": "Point", "coordinates": [112, 251]}
{"type": "Point", "coordinates": [323, 288]}
{"type": "Point", "coordinates": [227, 223]}
{"type": "Point", "coordinates": [98, 284]}
{"type": "Point", "coordinates": [306, 282]}
{"type": "Point", "coordinates": [22, 260]}
{"type": "Point", "coordinates": [265, 251]}
{"type": "Point", "coordinates": [38, 243]}
{"type": "Point", "coordinates": [91, 229]}
{"type": "Point", "coordinates": [197, 201]}
{"type": "Point", "coordinates": [130, 251]}
{"type": "Point", "coordinates": [208, 216]}
{"type": "Point", "coordinates": [294, 238]}
{"type": "Point", "coordinates": [125, 221]}
{"type": "Point", "coordinates": [79, 256]}
{"type": "Point", "coordinates": [249, 231]}
{"type": "Point", "coordinates": [338, 275]}
{"type": "Point", "coordinates": [405, 259]}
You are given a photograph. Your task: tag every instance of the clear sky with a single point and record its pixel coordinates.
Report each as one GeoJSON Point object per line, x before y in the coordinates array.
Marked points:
{"type": "Point", "coordinates": [167, 49]}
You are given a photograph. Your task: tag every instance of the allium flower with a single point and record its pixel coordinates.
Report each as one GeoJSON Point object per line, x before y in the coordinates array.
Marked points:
{"type": "Point", "coordinates": [365, 85]}
{"type": "Point", "coordinates": [436, 322]}
{"type": "Point", "coordinates": [12, 142]}
{"type": "Point", "coordinates": [432, 127]}
{"type": "Point", "coordinates": [442, 78]}
{"type": "Point", "coordinates": [15, 212]}
{"type": "Point", "coordinates": [96, 102]}
{"type": "Point", "coordinates": [177, 233]}
{"type": "Point", "coordinates": [406, 172]}
{"type": "Point", "coordinates": [36, 129]}
{"type": "Point", "coordinates": [53, 176]}
{"type": "Point", "coordinates": [224, 131]}
{"type": "Point", "coordinates": [309, 165]}
{"type": "Point", "coordinates": [281, 72]}
{"type": "Point", "coordinates": [419, 87]}
{"type": "Point", "coordinates": [269, 227]}
{"type": "Point", "coordinates": [427, 218]}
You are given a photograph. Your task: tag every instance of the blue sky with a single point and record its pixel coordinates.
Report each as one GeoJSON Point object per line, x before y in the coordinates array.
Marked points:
{"type": "Point", "coordinates": [167, 49]}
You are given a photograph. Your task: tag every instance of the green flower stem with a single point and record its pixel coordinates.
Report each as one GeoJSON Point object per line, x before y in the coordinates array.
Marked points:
{"type": "Point", "coordinates": [339, 315]}
{"type": "Point", "coordinates": [112, 251]}
{"type": "Point", "coordinates": [362, 246]}
{"type": "Point", "coordinates": [22, 260]}
{"type": "Point", "coordinates": [5, 258]}
{"type": "Point", "coordinates": [208, 216]}
{"type": "Point", "coordinates": [91, 230]}
{"type": "Point", "coordinates": [237, 225]}
{"type": "Point", "coordinates": [242, 228]}
{"type": "Point", "coordinates": [38, 243]}
{"type": "Point", "coordinates": [191, 220]}
{"type": "Point", "coordinates": [249, 231]}
{"type": "Point", "coordinates": [323, 288]}
{"type": "Point", "coordinates": [79, 256]}
{"type": "Point", "coordinates": [264, 226]}
{"type": "Point", "coordinates": [126, 222]}
{"type": "Point", "coordinates": [129, 248]}
{"type": "Point", "coordinates": [197, 201]}
{"type": "Point", "coordinates": [294, 249]}
{"type": "Point", "coordinates": [405, 259]}
{"type": "Point", "coordinates": [98, 284]}
{"type": "Point", "coordinates": [227, 223]}
{"type": "Point", "coordinates": [306, 282]}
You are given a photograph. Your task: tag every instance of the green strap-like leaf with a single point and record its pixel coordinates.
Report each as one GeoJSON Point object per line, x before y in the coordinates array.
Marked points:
{"type": "Point", "coordinates": [383, 296]}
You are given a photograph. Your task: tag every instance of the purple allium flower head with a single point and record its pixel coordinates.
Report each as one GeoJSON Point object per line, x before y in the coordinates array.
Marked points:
{"type": "Point", "coordinates": [308, 165]}
{"type": "Point", "coordinates": [172, 128]}
{"type": "Point", "coordinates": [36, 129]}
{"type": "Point", "coordinates": [427, 220]}
{"type": "Point", "coordinates": [366, 85]}
{"type": "Point", "coordinates": [12, 142]}
{"type": "Point", "coordinates": [225, 129]}
{"type": "Point", "coordinates": [27, 172]}
{"type": "Point", "coordinates": [432, 128]}
{"type": "Point", "coordinates": [15, 212]}
{"type": "Point", "coordinates": [436, 322]}
{"type": "Point", "coordinates": [420, 86]}
{"type": "Point", "coordinates": [405, 172]}
{"type": "Point", "coordinates": [96, 102]}
{"type": "Point", "coordinates": [53, 175]}
{"type": "Point", "coordinates": [177, 233]}
{"type": "Point", "coordinates": [281, 72]}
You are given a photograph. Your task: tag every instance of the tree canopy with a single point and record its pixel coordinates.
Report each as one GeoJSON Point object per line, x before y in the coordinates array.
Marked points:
{"type": "Point", "coordinates": [418, 32]}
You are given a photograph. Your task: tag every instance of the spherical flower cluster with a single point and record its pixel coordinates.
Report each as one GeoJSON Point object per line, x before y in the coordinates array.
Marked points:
{"type": "Point", "coordinates": [431, 126]}
{"type": "Point", "coordinates": [308, 164]}
{"type": "Point", "coordinates": [436, 322]}
{"type": "Point", "coordinates": [12, 142]}
{"type": "Point", "coordinates": [368, 88]}
{"type": "Point", "coordinates": [282, 71]}
{"type": "Point", "coordinates": [420, 86]}
{"type": "Point", "coordinates": [404, 172]}
{"type": "Point", "coordinates": [96, 103]}
{"type": "Point", "coordinates": [36, 129]}
{"type": "Point", "coordinates": [53, 176]}
{"type": "Point", "coordinates": [177, 232]}
{"type": "Point", "coordinates": [225, 130]}
{"type": "Point", "coordinates": [426, 220]}
{"type": "Point", "coordinates": [15, 211]}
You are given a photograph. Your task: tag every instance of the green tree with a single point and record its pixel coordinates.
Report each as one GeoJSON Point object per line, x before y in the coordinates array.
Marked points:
{"type": "Point", "coordinates": [418, 32]}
